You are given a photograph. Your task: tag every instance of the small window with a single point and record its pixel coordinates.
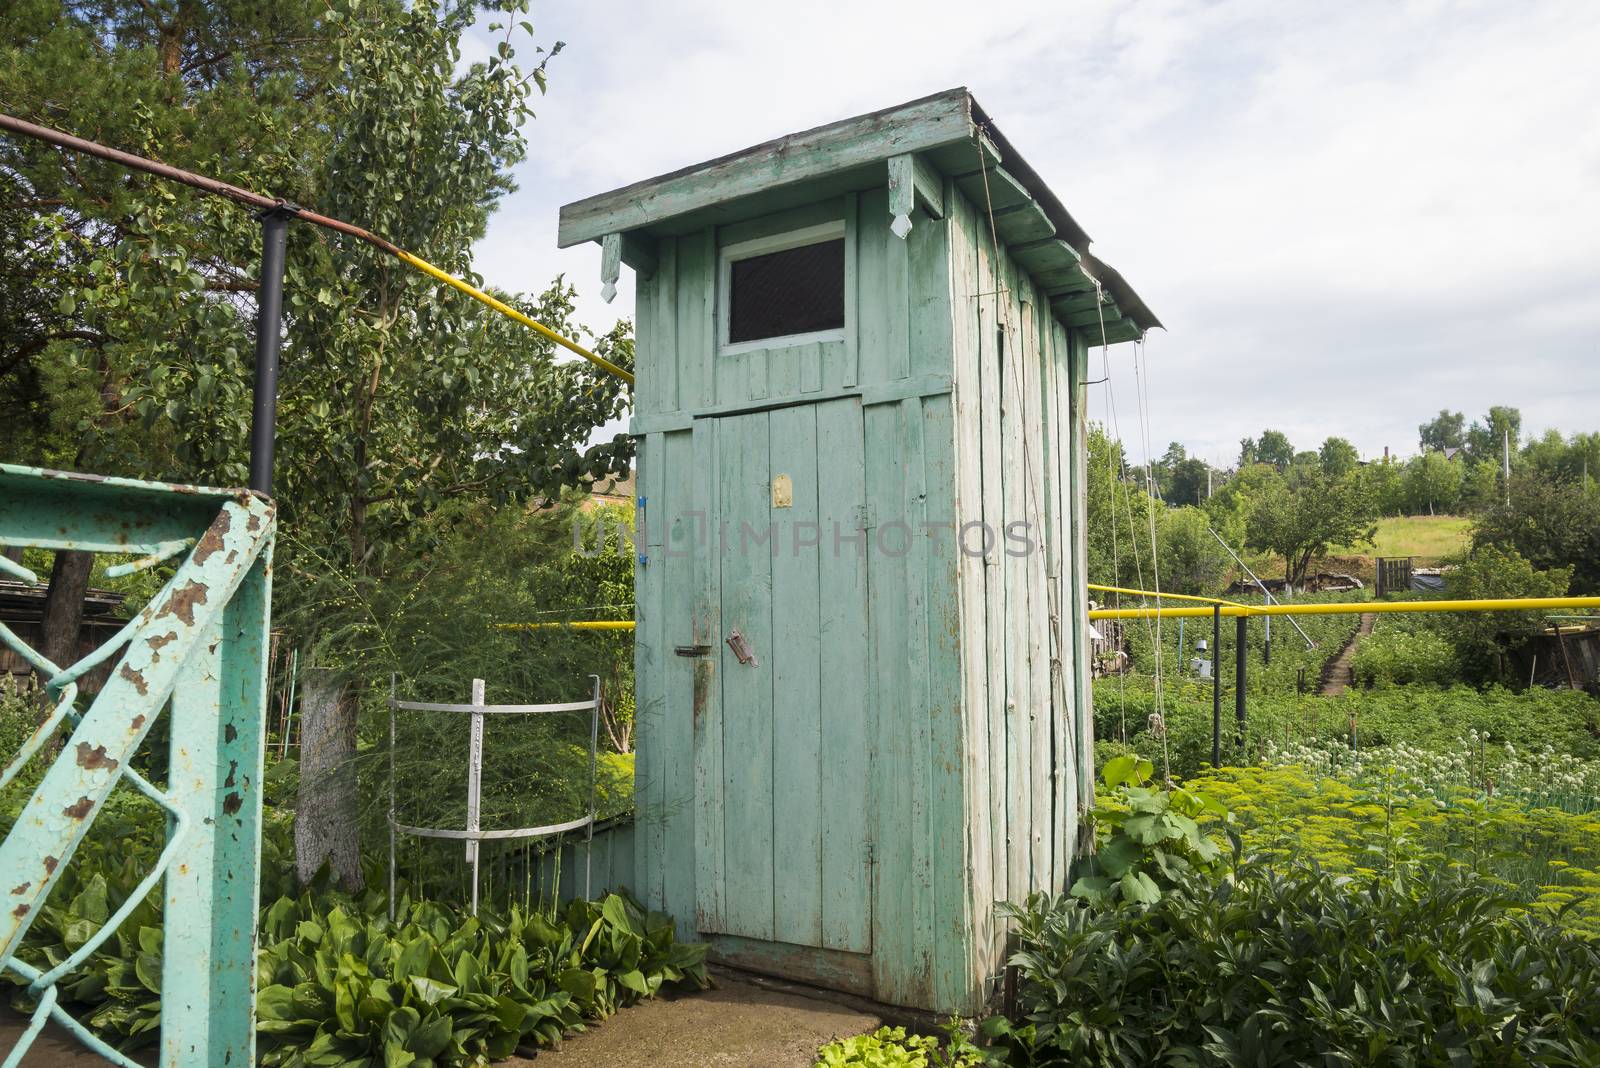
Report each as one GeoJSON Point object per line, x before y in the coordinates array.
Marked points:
{"type": "Point", "coordinates": [790, 286]}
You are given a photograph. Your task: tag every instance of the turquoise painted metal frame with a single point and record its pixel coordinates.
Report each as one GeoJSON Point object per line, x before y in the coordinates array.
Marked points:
{"type": "Point", "coordinates": [200, 643]}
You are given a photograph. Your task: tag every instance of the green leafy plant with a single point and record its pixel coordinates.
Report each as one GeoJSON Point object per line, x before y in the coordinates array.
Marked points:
{"type": "Point", "coordinates": [893, 1047]}
{"type": "Point", "coordinates": [338, 982]}
{"type": "Point", "coordinates": [1146, 836]}
{"type": "Point", "coordinates": [1294, 965]}
{"type": "Point", "coordinates": [1393, 657]}
{"type": "Point", "coordinates": [434, 987]}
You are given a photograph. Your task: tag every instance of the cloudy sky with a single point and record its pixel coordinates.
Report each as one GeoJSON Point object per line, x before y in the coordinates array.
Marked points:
{"type": "Point", "coordinates": [1348, 215]}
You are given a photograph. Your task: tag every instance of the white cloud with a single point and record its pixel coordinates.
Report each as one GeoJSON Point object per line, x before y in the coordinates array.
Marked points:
{"type": "Point", "coordinates": [1330, 205]}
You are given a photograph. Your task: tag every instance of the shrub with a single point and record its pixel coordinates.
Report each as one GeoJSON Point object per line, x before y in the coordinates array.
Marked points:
{"type": "Point", "coordinates": [1146, 837]}
{"type": "Point", "coordinates": [892, 1047]}
{"type": "Point", "coordinates": [1407, 806]}
{"type": "Point", "coordinates": [1392, 657]}
{"type": "Point", "coordinates": [342, 986]}
{"type": "Point", "coordinates": [1482, 638]}
{"type": "Point", "coordinates": [1295, 965]}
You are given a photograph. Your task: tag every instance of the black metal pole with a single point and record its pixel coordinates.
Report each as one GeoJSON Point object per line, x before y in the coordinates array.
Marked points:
{"type": "Point", "coordinates": [269, 332]}
{"type": "Point", "coordinates": [1216, 686]}
{"type": "Point", "coordinates": [1238, 683]}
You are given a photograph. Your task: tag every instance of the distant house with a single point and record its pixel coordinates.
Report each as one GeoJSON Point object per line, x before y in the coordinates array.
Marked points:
{"type": "Point", "coordinates": [1454, 452]}
{"type": "Point", "coordinates": [619, 489]}
{"type": "Point", "coordinates": [22, 609]}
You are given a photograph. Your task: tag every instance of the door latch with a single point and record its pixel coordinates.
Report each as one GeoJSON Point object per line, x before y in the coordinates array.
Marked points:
{"type": "Point", "coordinates": [742, 650]}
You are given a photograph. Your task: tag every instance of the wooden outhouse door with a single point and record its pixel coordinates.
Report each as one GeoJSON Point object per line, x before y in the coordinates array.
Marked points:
{"type": "Point", "coordinates": [782, 752]}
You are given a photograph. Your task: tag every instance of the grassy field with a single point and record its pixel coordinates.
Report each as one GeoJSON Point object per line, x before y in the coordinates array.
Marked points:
{"type": "Point", "coordinates": [1430, 538]}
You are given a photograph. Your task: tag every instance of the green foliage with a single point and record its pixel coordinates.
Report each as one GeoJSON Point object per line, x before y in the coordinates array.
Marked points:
{"type": "Point", "coordinates": [892, 1047]}
{"type": "Point", "coordinates": [341, 984]}
{"type": "Point", "coordinates": [1444, 431]}
{"type": "Point", "coordinates": [1366, 814]}
{"type": "Point", "coordinates": [1392, 656]}
{"type": "Point", "coordinates": [432, 620]}
{"type": "Point", "coordinates": [1433, 484]}
{"type": "Point", "coordinates": [1191, 560]}
{"type": "Point", "coordinates": [1301, 522]}
{"type": "Point", "coordinates": [1271, 448]}
{"type": "Point", "coordinates": [348, 987]}
{"type": "Point", "coordinates": [117, 990]}
{"type": "Point", "coordinates": [1338, 457]}
{"type": "Point", "coordinates": [1551, 522]}
{"type": "Point", "coordinates": [1146, 837]}
{"type": "Point", "coordinates": [1290, 964]}
{"type": "Point", "coordinates": [1486, 439]}
{"type": "Point", "coordinates": [1564, 720]}
{"type": "Point", "coordinates": [1483, 638]}
{"type": "Point", "coordinates": [19, 713]}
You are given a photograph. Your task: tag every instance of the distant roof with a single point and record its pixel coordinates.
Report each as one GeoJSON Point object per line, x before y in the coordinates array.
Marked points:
{"type": "Point", "coordinates": [949, 130]}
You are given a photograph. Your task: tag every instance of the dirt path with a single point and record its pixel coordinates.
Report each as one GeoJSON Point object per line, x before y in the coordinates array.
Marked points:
{"type": "Point", "coordinates": [745, 1021]}
{"type": "Point", "coordinates": [1338, 675]}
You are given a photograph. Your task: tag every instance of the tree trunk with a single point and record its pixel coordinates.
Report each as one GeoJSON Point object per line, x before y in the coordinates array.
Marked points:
{"type": "Point", "coordinates": [63, 606]}
{"type": "Point", "coordinates": [325, 829]}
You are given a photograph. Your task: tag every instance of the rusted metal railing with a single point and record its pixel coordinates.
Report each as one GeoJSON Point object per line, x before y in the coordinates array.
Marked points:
{"type": "Point", "coordinates": [197, 651]}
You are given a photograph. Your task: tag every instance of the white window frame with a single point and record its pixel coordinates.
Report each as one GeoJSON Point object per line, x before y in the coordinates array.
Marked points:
{"type": "Point", "coordinates": [760, 246]}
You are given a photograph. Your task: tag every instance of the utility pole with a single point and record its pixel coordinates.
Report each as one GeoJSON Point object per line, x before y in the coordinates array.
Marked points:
{"type": "Point", "coordinates": [1505, 462]}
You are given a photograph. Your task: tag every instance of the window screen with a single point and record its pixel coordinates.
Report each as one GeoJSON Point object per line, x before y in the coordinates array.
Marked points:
{"type": "Point", "coordinates": [796, 291]}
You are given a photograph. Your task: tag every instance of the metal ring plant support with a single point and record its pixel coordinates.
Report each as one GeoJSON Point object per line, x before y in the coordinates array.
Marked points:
{"type": "Point", "coordinates": [473, 833]}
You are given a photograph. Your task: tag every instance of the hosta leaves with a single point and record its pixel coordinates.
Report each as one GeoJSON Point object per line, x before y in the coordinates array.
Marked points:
{"type": "Point", "coordinates": [1288, 964]}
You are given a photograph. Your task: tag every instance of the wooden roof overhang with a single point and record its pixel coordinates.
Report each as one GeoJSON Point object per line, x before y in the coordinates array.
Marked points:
{"type": "Point", "coordinates": [916, 143]}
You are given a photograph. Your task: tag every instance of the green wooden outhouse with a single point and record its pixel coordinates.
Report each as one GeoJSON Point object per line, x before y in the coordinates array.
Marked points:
{"type": "Point", "coordinates": [863, 689]}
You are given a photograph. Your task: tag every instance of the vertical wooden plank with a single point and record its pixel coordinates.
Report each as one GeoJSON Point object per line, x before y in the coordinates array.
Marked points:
{"type": "Point", "coordinates": [1019, 758]}
{"type": "Point", "coordinates": [928, 249]}
{"type": "Point", "coordinates": [994, 478]}
{"type": "Point", "coordinates": [971, 571]}
{"type": "Point", "coordinates": [649, 345]}
{"type": "Point", "coordinates": [756, 363]}
{"type": "Point", "coordinates": [797, 664]}
{"type": "Point", "coordinates": [872, 306]}
{"type": "Point", "coordinates": [747, 688]}
{"type": "Point", "coordinates": [953, 942]}
{"type": "Point", "coordinates": [1067, 580]}
{"type": "Point", "coordinates": [649, 677]}
{"type": "Point", "coordinates": [671, 353]}
{"type": "Point", "coordinates": [784, 369]}
{"type": "Point", "coordinates": [893, 898]}
{"type": "Point", "coordinates": [707, 709]}
{"type": "Point", "coordinates": [1080, 608]}
{"type": "Point", "coordinates": [854, 309]}
{"type": "Point", "coordinates": [1034, 444]}
{"type": "Point", "coordinates": [675, 561]}
{"type": "Point", "coordinates": [917, 728]}
{"type": "Point", "coordinates": [690, 277]}
{"type": "Point", "coordinates": [811, 360]}
{"type": "Point", "coordinates": [1060, 712]}
{"type": "Point", "coordinates": [846, 712]}
{"type": "Point", "coordinates": [897, 306]}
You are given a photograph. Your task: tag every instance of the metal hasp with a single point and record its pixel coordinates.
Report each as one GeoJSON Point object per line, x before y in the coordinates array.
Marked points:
{"type": "Point", "coordinates": [473, 833]}
{"type": "Point", "coordinates": [201, 642]}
